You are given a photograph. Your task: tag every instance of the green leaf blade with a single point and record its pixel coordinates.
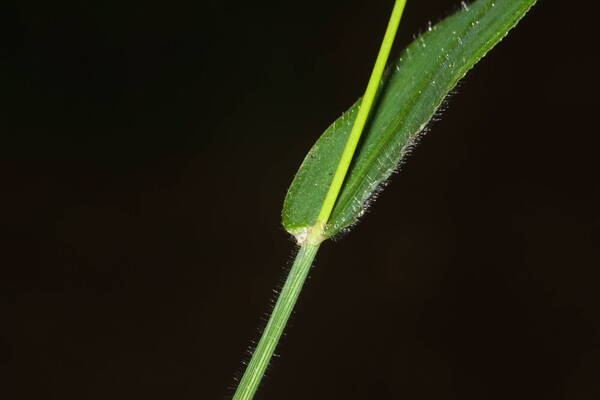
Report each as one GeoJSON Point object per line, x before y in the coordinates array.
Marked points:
{"type": "Point", "coordinates": [414, 88]}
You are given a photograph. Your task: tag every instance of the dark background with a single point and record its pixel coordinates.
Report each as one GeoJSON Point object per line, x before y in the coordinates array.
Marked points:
{"type": "Point", "coordinates": [145, 152]}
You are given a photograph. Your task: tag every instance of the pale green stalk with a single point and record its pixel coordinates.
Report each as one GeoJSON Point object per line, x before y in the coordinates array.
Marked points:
{"type": "Point", "coordinates": [293, 284]}
{"type": "Point", "coordinates": [363, 114]}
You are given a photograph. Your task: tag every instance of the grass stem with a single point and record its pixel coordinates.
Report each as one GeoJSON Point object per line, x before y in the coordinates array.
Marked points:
{"type": "Point", "coordinates": [293, 284]}
{"type": "Point", "coordinates": [363, 114]}
{"type": "Point", "coordinates": [281, 313]}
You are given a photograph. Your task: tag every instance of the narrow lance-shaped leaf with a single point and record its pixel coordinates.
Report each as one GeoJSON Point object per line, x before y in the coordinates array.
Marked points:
{"type": "Point", "coordinates": [414, 87]}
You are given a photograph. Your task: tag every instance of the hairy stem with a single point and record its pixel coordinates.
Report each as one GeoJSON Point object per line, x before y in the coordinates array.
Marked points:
{"type": "Point", "coordinates": [281, 313]}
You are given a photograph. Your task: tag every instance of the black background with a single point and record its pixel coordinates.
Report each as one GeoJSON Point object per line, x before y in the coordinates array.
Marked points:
{"type": "Point", "coordinates": [146, 150]}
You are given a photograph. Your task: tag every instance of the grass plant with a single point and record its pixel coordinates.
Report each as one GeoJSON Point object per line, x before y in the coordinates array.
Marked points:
{"type": "Point", "coordinates": [361, 149]}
